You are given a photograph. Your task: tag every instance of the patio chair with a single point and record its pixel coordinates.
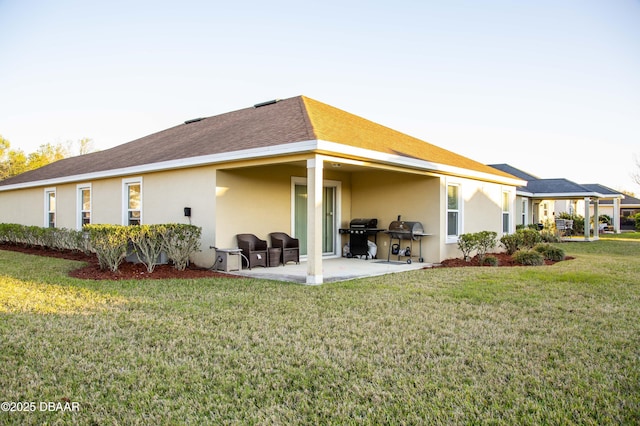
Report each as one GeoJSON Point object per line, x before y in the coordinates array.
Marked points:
{"type": "Point", "coordinates": [290, 247]}
{"type": "Point", "coordinates": [254, 250]}
{"type": "Point", "coordinates": [561, 226]}
{"type": "Point", "coordinates": [568, 224]}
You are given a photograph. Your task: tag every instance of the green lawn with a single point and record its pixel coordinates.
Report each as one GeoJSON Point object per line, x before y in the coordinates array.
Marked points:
{"type": "Point", "coordinates": [527, 345]}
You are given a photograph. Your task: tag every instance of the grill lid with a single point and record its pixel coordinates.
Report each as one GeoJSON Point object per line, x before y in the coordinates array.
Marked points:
{"type": "Point", "coordinates": [406, 227]}
{"type": "Point", "coordinates": [363, 223]}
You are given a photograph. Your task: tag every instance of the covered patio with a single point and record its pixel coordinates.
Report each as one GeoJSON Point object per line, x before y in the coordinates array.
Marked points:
{"type": "Point", "coordinates": [333, 270]}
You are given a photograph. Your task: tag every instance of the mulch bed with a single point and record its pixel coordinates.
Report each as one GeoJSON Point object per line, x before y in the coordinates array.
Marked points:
{"type": "Point", "coordinates": [126, 270]}
{"type": "Point", "coordinates": [503, 260]}
{"type": "Point", "coordinates": [137, 271]}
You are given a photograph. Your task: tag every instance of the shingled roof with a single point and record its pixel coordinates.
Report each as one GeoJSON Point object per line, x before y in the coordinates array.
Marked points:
{"type": "Point", "coordinates": [297, 119]}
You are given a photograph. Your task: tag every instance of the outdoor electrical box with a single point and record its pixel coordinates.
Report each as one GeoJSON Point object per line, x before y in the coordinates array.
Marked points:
{"type": "Point", "coordinates": [187, 211]}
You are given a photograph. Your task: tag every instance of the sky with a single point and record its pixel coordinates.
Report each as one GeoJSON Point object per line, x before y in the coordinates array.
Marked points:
{"type": "Point", "coordinates": [551, 87]}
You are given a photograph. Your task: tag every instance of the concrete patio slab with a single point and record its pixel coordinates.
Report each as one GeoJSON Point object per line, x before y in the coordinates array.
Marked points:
{"type": "Point", "coordinates": [333, 269]}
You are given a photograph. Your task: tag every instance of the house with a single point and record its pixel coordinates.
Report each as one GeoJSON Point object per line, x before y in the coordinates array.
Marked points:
{"type": "Point", "coordinates": [294, 165]}
{"type": "Point", "coordinates": [628, 207]}
{"type": "Point", "coordinates": [542, 200]}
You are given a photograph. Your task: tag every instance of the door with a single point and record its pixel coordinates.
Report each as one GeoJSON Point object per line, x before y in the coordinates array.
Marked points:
{"type": "Point", "coordinates": [329, 211]}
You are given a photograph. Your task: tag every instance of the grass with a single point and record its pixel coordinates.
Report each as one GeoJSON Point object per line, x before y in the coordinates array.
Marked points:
{"type": "Point", "coordinates": [525, 345]}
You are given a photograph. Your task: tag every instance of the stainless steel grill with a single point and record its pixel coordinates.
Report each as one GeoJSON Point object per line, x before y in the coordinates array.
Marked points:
{"type": "Point", "coordinates": [359, 232]}
{"type": "Point", "coordinates": [402, 230]}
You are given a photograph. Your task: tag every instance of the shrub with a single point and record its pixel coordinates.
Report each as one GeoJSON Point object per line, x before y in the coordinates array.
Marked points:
{"type": "Point", "coordinates": [179, 242]}
{"type": "Point", "coordinates": [148, 243]}
{"type": "Point", "coordinates": [547, 236]}
{"type": "Point", "coordinates": [512, 242]}
{"type": "Point", "coordinates": [490, 261]}
{"type": "Point", "coordinates": [550, 252]}
{"type": "Point", "coordinates": [467, 243]}
{"type": "Point", "coordinates": [637, 218]}
{"type": "Point", "coordinates": [530, 238]}
{"type": "Point", "coordinates": [486, 240]}
{"type": "Point", "coordinates": [109, 242]}
{"type": "Point", "coordinates": [529, 257]}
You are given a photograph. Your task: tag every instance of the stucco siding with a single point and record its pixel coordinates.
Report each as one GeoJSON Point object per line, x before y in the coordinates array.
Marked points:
{"type": "Point", "coordinates": [258, 201]}
{"type": "Point", "coordinates": [384, 195]}
{"type": "Point", "coordinates": [22, 206]}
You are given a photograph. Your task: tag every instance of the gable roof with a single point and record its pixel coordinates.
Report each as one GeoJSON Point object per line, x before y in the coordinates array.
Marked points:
{"type": "Point", "coordinates": [262, 130]}
{"type": "Point", "coordinates": [558, 187]}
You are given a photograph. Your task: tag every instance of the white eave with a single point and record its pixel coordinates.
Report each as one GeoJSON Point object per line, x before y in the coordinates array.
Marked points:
{"type": "Point", "coordinates": [274, 151]}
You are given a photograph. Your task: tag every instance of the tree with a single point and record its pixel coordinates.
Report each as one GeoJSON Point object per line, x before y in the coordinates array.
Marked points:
{"type": "Point", "coordinates": [86, 146]}
{"type": "Point", "coordinates": [46, 154]}
{"type": "Point", "coordinates": [636, 175]}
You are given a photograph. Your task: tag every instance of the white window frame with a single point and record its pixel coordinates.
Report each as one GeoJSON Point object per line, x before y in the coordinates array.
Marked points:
{"type": "Point", "coordinates": [525, 211]}
{"type": "Point", "coordinates": [80, 205]}
{"type": "Point", "coordinates": [125, 198]}
{"type": "Point", "coordinates": [460, 211]}
{"type": "Point", "coordinates": [508, 212]}
{"type": "Point", "coordinates": [47, 207]}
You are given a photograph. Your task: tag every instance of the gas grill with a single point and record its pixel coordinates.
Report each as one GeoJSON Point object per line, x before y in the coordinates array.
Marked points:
{"type": "Point", "coordinates": [359, 232]}
{"type": "Point", "coordinates": [405, 231]}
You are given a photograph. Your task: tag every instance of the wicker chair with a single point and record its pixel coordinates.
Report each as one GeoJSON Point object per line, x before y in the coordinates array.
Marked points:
{"type": "Point", "coordinates": [254, 250]}
{"type": "Point", "coordinates": [290, 247]}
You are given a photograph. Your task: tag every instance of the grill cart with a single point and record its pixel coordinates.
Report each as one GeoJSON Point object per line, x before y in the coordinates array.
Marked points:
{"type": "Point", "coordinates": [359, 232]}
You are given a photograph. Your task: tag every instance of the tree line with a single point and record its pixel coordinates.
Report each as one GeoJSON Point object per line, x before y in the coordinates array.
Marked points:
{"type": "Point", "coordinates": [15, 161]}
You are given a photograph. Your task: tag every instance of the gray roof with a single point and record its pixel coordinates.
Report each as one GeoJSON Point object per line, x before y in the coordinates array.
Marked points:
{"type": "Point", "coordinates": [558, 187]}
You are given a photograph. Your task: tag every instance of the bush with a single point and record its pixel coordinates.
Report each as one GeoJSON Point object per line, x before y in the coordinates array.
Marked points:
{"type": "Point", "coordinates": [467, 243]}
{"type": "Point", "coordinates": [637, 218]}
{"type": "Point", "coordinates": [110, 243]}
{"type": "Point", "coordinates": [528, 257]}
{"type": "Point", "coordinates": [486, 240]}
{"type": "Point", "coordinates": [148, 243]}
{"type": "Point", "coordinates": [179, 242]}
{"type": "Point", "coordinates": [550, 252]}
{"type": "Point", "coordinates": [490, 261]}
{"type": "Point", "coordinates": [512, 242]}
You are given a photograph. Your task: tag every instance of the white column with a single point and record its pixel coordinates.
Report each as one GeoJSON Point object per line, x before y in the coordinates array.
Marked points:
{"type": "Point", "coordinates": [587, 219]}
{"type": "Point", "coordinates": [616, 215]}
{"type": "Point", "coordinates": [314, 220]}
{"type": "Point", "coordinates": [596, 222]}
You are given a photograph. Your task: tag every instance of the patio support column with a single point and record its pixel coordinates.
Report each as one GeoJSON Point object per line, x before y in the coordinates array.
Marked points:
{"type": "Point", "coordinates": [314, 220]}
{"type": "Point", "coordinates": [616, 215]}
{"type": "Point", "coordinates": [596, 221]}
{"type": "Point", "coordinates": [587, 219]}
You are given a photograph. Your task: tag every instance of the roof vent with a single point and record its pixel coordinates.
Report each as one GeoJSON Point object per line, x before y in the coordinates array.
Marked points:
{"type": "Point", "coordinates": [194, 120]}
{"type": "Point", "coordinates": [266, 103]}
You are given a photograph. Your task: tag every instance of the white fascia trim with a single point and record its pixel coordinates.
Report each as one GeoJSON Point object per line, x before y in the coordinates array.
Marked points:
{"type": "Point", "coordinates": [272, 151]}
{"type": "Point", "coordinates": [414, 163]}
{"type": "Point", "coordinates": [203, 160]}
{"type": "Point", "coordinates": [572, 195]}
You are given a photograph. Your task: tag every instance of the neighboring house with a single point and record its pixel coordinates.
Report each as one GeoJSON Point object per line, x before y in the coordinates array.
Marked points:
{"type": "Point", "coordinates": [628, 207]}
{"type": "Point", "coordinates": [294, 165]}
{"type": "Point", "coordinates": [542, 200]}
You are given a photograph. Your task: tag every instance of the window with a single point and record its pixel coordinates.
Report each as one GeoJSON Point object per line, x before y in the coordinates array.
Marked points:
{"type": "Point", "coordinates": [84, 205]}
{"type": "Point", "coordinates": [525, 208]}
{"type": "Point", "coordinates": [453, 211]}
{"type": "Point", "coordinates": [132, 201]}
{"type": "Point", "coordinates": [506, 212]}
{"type": "Point", "coordinates": [50, 208]}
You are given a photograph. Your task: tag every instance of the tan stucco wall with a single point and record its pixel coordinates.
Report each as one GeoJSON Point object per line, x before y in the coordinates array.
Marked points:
{"type": "Point", "coordinates": [384, 195]}
{"type": "Point", "coordinates": [258, 200]}
{"type": "Point", "coordinates": [22, 206]}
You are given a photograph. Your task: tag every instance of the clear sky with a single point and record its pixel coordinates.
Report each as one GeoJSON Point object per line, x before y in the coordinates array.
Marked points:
{"type": "Point", "coordinates": [549, 86]}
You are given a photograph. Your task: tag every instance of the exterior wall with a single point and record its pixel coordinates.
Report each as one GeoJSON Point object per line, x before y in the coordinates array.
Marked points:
{"type": "Point", "coordinates": [22, 206]}
{"type": "Point", "coordinates": [384, 195]}
{"type": "Point", "coordinates": [481, 211]}
{"type": "Point", "coordinates": [258, 200]}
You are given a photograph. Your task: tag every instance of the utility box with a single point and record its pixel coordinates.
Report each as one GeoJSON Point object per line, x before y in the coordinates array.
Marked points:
{"type": "Point", "coordinates": [228, 259]}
